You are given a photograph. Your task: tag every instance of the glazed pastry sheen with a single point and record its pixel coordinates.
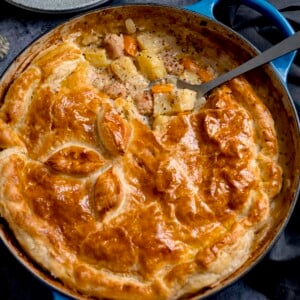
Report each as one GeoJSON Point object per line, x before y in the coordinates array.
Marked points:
{"type": "Point", "coordinates": [128, 193]}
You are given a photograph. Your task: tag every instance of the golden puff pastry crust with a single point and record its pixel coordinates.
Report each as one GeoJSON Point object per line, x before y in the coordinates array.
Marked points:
{"type": "Point", "coordinates": [127, 193]}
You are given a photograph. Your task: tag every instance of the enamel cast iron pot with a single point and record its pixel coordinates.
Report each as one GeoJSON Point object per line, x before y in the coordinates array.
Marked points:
{"type": "Point", "coordinates": [271, 78]}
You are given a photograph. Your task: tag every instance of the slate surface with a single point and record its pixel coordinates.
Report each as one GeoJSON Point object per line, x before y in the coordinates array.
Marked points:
{"type": "Point", "coordinates": [277, 276]}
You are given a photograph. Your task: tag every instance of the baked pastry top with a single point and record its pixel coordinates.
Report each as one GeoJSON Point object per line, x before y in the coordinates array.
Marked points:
{"type": "Point", "coordinates": [122, 191]}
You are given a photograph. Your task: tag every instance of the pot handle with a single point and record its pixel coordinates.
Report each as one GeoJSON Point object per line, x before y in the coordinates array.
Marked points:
{"type": "Point", "coordinates": [281, 64]}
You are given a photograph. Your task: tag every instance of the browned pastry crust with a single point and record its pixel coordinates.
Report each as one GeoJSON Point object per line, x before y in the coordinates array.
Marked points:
{"type": "Point", "coordinates": [122, 202]}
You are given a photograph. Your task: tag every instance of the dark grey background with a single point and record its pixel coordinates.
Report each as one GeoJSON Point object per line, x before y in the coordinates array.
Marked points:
{"type": "Point", "coordinates": [277, 276]}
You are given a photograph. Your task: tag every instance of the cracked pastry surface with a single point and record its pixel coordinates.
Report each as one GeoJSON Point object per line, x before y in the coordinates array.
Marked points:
{"type": "Point", "coordinates": [121, 192]}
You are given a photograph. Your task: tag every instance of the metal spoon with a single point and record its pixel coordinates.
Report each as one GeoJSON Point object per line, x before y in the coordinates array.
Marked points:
{"type": "Point", "coordinates": [287, 45]}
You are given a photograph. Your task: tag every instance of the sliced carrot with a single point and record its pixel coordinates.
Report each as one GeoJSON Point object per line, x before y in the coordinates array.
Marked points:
{"type": "Point", "coordinates": [162, 88]}
{"type": "Point", "coordinates": [201, 71]}
{"type": "Point", "coordinates": [130, 45]}
{"type": "Point", "coordinates": [204, 74]}
{"type": "Point", "coordinates": [190, 65]}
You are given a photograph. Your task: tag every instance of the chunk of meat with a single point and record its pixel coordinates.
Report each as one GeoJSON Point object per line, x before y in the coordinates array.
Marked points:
{"type": "Point", "coordinates": [115, 90]}
{"type": "Point", "coordinates": [114, 45]}
{"type": "Point", "coordinates": [144, 103]}
{"type": "Point", "coordinates": [172, 65]}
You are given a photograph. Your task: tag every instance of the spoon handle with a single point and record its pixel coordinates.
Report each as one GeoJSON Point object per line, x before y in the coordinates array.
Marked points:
{"type": "Point", "coordinates": [287, 45]}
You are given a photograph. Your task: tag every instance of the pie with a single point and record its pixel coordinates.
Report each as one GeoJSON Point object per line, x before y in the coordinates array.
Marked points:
{"type": "Point", "coordinates": [124, 190]}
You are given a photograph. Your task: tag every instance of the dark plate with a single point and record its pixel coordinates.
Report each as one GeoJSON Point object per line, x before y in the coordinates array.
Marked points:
{"type": "Point", "coordinates": [56, 6]}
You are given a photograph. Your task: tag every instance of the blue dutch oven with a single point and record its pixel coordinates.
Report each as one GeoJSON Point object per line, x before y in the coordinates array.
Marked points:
{"type": "Point", "coordinates": [282, 109]}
